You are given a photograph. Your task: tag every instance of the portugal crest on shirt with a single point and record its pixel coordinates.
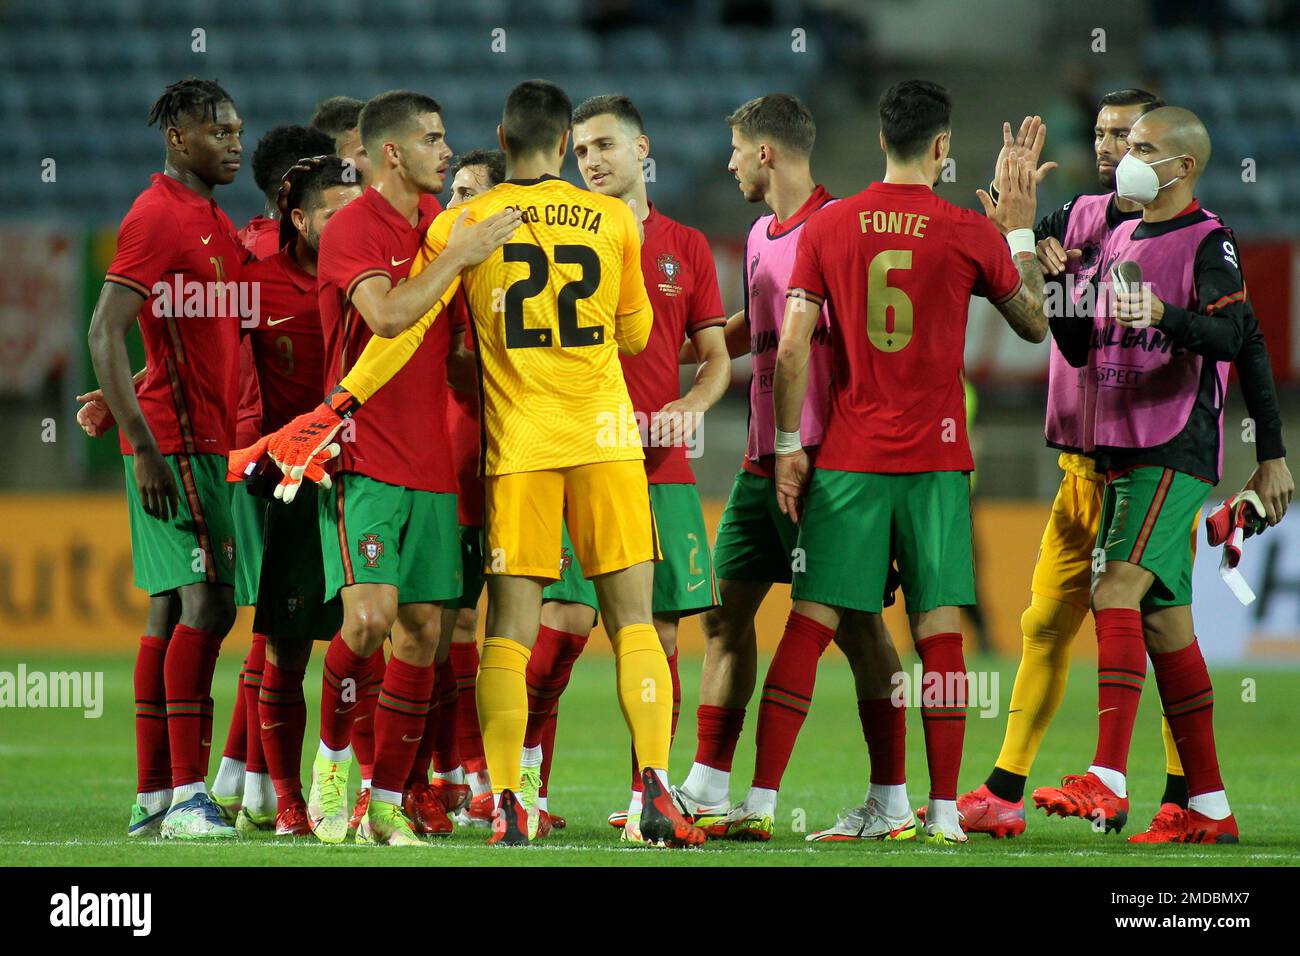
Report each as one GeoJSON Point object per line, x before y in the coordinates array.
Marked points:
{"type": "Point", "coordinates": [566, 559]}
{"type": "Point", "coordinates": [371, 547]}
{"type": "Point", "coordinates": [228, 550]}
{"type": "Point", "coordinates": [670, 268]}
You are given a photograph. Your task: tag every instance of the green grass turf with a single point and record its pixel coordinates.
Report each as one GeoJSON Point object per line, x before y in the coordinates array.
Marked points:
{"type": "Point", "coordinates": [67, 782]}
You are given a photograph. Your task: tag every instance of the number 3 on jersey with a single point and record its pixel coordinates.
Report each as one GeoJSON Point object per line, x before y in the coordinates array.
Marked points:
{"type": "Point", "coordinates": [572, 335]}
{"type": "Point", "coordinates": [881, 296]}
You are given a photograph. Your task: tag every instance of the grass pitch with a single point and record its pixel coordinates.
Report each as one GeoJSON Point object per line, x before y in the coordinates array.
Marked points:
{"type": "Point", "coordinates": [67, 782]}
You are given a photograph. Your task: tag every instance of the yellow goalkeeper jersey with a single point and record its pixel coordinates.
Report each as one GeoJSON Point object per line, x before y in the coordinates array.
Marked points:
{"type": "Point", "coordinates": [552, 309]}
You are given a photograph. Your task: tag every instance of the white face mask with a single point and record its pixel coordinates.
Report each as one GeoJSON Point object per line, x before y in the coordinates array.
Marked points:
{"type": "Point", "coordinates": [1137, 181]}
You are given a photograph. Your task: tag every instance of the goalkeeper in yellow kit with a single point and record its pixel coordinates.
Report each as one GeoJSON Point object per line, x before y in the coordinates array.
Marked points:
{"type": "Point", "coordinates": [552, 309]}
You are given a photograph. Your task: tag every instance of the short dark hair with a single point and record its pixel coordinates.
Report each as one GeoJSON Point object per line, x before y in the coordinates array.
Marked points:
{"type": "Point", "coordinates": [912, 113]}
{"type": "Point", "coordinates": [537, 113]}
{"type": "Point", "coordinates": [390, 113]}
{"type": "Point", "coordinates": [307, 185]}
{"type": "Point", "coordinates": [1131, 96]}
{"type": "Point", "coordinates": [281, 147]}
{"type": "Point", "coordinates": [336, 115]}
{"type": "Point", "coordinates": [190, 98]}
{"type": "Point", "coordinates": [779, 117]}
{"type": "Point", "coordinates": [612, 104]}
{"type": "Point", "coordinates": [493, 160]}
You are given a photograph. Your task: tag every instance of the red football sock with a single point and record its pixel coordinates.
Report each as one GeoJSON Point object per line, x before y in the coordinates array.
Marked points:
{"type": "Point", "coordinates": [342, 692]}
{"type": "Point", "coordinates": [446, 756]}
{"type": "Point", "coordinates": [718, 732]}
{"type": "Point", "coordinates": [212, 651]}
{"type": "Point", "coordinates": [1188, 700]}
{"type": "Point", "coordinates": [152, 756]}
{"type": "Point", "coordinates": [787, 696]}
{"type": "Point", "coordinates": [548, 673]}
{"type": "Point", "coordinates": [282, 724]}
{"type": "Point", "coordinates": [250, 686]}
{"type": "Point", "coordinates": [187, 676]}
{"type": "Point", "coordinates": [423, 760]}
{"type": "Point", "coordinates": [400, 716]}
{"type": "Point", "coordinates": [1121, 672]}
{"type": "Point", "coordinates": [237, 735]}
{"type": "Point", "coordinates": [548, 747]}
{"type": "Point", "coordinates": [363, 727]}
{"type": "Point", "coordinates": [677, 710]}
{"type": "Point", "coordinates": [884, 727]}
{"type": "Point", "coordinates": [943, 675]}
{"type": "Point", "coordinates": [464, 660]}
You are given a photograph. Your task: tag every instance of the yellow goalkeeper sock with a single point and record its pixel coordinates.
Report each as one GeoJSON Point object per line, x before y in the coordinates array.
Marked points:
{"type": "Point", "coordinates": [502, 698]}
{"type": "Point", "coordinates": [1173, 765]}
{"type": "Point", "coordinates": [645, 693]}
{"type": "Point", "coordinates": [1048, 627]}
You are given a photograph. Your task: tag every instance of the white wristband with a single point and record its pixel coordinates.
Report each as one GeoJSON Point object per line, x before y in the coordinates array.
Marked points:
{"type": "Point", "coordinates": [788, 442]}
{"type": "Point", "coordinates": [1021, 240]}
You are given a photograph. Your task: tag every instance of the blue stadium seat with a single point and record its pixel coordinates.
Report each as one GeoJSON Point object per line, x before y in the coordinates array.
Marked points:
{"type": "Point", "coordinates": [637, 50]}
{"type": "Point", "coordinates": [1187, 49]}
{"type": "Point", "coordinates": [1255, 51]}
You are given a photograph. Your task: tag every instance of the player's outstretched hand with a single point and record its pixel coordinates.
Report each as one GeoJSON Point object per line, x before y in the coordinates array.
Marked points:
{"type": "Point", "coordinates": [94, 417]}
{"type": "Point", "coordinates": [314, 471]}
{"type": "Point", "coordinates": [1272, 482]}
{"type": "Point", "coordinates": [1017, 194]}
{"type": "Point", "coordinates": [474, 242]}
{"type": "Point", "coordinates": [791, 481]}
{"type": "Point", "coordinates": [156, 484]}
{"type": "Point", "coordinates": [1054, 258]}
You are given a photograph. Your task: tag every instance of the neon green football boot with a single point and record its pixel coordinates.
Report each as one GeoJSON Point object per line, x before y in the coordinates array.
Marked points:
{"type": "Point", "coordinates": [530, 785]}
{"type": "Point", "coordinates": [327, 804]}
{"type": "Point", "coordinates": [385, 824]}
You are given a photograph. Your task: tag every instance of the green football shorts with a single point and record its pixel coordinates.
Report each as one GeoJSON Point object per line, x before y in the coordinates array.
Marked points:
{"type": "Point", "coordinates": [1148, 518]}
{"type": "Point", "coordinates": [372, 532]}
{"type": "Point", "coordinates": [754, 539]}
{"type": "Point", "coordinates": [572, 586]}
{"type": "Point", "coordinates": [249, 515]}
{"type": "Point", "coordinates": [198, 544]}
{"type": "Point", "coordinates": [854, 522]}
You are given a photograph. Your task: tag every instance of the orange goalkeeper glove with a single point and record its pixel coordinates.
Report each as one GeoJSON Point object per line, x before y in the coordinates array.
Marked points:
{"type": "Point", "coordinates": [301, 448]}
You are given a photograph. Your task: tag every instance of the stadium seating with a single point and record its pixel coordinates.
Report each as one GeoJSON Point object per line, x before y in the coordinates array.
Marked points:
{"type": "Point", "coordinates": [100, 66]}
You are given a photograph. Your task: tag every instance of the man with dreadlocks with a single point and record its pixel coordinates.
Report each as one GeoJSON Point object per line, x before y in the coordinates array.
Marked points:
{"type": "Point", "coordinates": [177, 426]}
{"type": "Point", "coordinates": [242, 781]}
{"type": "Point", "coordinates": [289, 357]}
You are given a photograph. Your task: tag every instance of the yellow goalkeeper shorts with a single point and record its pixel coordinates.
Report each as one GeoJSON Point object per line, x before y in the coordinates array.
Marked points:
{"type": "Point", "coordinates": [605, 504]}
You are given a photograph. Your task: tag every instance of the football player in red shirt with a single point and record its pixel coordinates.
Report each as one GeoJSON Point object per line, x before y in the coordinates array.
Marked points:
{"type": "Point", "coordinates": [897, 266]}
{"type": "Point", "coordinates": [242, 781]}
{"type": "Point", "coordinates": [288, 349]}
{"type": "Point", "coordinates": [389, 521]}
{"type": "Point", "coordinates": [177, 426]}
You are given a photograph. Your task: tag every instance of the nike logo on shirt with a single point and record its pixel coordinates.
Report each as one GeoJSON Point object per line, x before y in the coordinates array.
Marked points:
{"type": "Point", "coordinates": [397, 262]}
{"type": "Point", "coordinates": [271, 322]}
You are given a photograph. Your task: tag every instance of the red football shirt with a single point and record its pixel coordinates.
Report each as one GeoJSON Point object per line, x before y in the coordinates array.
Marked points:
{"type": "Point", "coordinates": [174, 238]}
{"type": "Point", "coordinates": [288, 346]}
{"type": "Point", "coordinates": [248, 421]}
{"type": "Point", "coordinates": [682, 282]}
{"type": "Point", "coordinates": [261, 237]}
{"type": "Point", "coordinates": [400, 435]}
{"type": "Point", "coordinates": [464, 430]}
{"type": "Point", "coordinates": [897, 266]}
